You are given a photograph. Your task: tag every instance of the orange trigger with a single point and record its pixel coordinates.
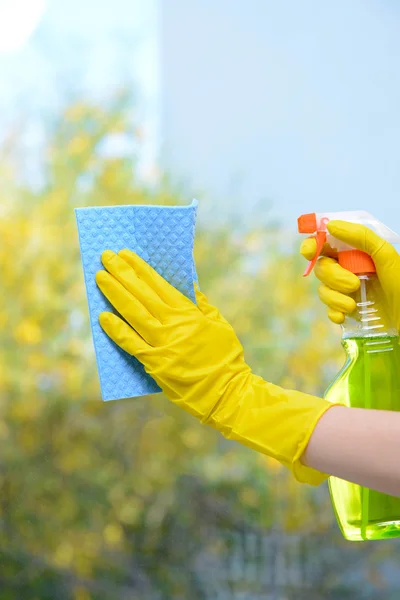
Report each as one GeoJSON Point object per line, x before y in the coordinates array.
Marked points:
{"type": "Point", "coordinates": [321, 240]}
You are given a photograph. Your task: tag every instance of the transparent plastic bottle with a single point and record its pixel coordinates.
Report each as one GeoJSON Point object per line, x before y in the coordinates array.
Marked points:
{"type": "Point", "coordinates": [370, 378]}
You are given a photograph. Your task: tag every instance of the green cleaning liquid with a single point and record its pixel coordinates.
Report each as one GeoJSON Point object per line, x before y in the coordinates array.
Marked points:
{"type": "Point", "coordinates": [370, 378]}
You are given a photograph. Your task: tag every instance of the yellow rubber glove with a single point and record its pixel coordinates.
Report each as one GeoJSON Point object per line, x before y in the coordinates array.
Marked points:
{"type": "Point", "coordinates": [195, 357]}
{"type": "Point", "coordinates": [338, 284]}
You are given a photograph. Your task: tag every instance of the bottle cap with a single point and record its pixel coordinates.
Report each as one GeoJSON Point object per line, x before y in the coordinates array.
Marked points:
{"type": "Point", "coordinates": [356, 261]}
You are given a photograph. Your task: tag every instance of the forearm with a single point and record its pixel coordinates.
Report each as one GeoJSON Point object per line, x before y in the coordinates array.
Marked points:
{"type": "Point", "coordinates": [359, 445]}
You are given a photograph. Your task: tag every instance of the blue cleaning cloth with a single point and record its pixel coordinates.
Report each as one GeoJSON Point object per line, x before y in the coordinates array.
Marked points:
{"type": "Point", "coordinates": [163, 236]}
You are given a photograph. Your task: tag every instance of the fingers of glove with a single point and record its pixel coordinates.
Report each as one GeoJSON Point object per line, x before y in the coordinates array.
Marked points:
{"type": "Point", "coordinates": [364, 239]}
{"type": "Point", "coordinates": [336, 300]}
{"type": "Point", "coordinates": [129, 307]}
{"type": "Point", "coordinates": [123, 335]}
{"type": "Point", "coordinates": [334, 276]}
{"type": "Point", "coordinates": [309, 247]}
{"type": "Point", "coordinates": [336, 316]}
{"type": "Point", "coordinates": [154, 281]}
{"type": "Point", "coordinates": [123, 272]}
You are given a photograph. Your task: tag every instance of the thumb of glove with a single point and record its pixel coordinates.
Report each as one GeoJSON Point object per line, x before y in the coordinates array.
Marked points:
{"type": "Point", "coordinates": [364, 239]}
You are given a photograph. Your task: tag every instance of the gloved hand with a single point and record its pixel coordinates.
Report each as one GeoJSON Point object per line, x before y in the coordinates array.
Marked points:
{"type": "Point", "coordinates": [195, 357]}
{"type": "Point", "coordinates": [337, 284]}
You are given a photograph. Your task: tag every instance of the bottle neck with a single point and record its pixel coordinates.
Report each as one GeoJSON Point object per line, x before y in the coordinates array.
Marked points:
{"type": "Point", "coordinates": [371, 317]}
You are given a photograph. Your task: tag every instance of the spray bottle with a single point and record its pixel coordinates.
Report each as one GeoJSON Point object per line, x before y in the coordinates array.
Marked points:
{"type": "Point", "coordinates": [370, 377]}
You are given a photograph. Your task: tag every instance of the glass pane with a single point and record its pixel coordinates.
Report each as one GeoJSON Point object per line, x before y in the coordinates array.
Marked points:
{"type": "Point", "coordinates": [263, 111]}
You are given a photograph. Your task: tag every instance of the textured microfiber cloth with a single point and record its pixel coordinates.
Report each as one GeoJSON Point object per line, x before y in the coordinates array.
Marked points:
{"type": "Point", "coordinates": [163, 236]}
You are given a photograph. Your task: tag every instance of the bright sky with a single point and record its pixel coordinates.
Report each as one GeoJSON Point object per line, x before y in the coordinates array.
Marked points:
{"type": "Point", "coordinates": [18, 20]}
{"type": "Point", "coordinates": [296, 102]}
{"type": "Point", "coordinates": [80, 47]}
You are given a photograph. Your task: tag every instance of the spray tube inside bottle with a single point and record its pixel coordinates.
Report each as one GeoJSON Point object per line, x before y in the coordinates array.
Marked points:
{"type": "Point", "coordinates": [370, 377]}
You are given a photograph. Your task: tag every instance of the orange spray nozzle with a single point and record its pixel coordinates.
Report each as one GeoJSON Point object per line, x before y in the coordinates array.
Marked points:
{"type": "Point", "coordinates": [349, 258]}
{"type": "Point", "coordinates": [308, 223]}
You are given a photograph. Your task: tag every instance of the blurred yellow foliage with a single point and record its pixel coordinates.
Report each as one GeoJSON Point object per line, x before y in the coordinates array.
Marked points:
{"type": "Point", "coordinates": [64, 554]}
{"type": "Point", "coordinates": [113, 534]}
{"type": "Point", "coordinates": [28, 332]}
{"type": "Point", "coordinates": [78, 475]}
{"type": "Point", "coordinates": [81, 593]}
{"type": "Point", "coordinates": [78, 145]}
